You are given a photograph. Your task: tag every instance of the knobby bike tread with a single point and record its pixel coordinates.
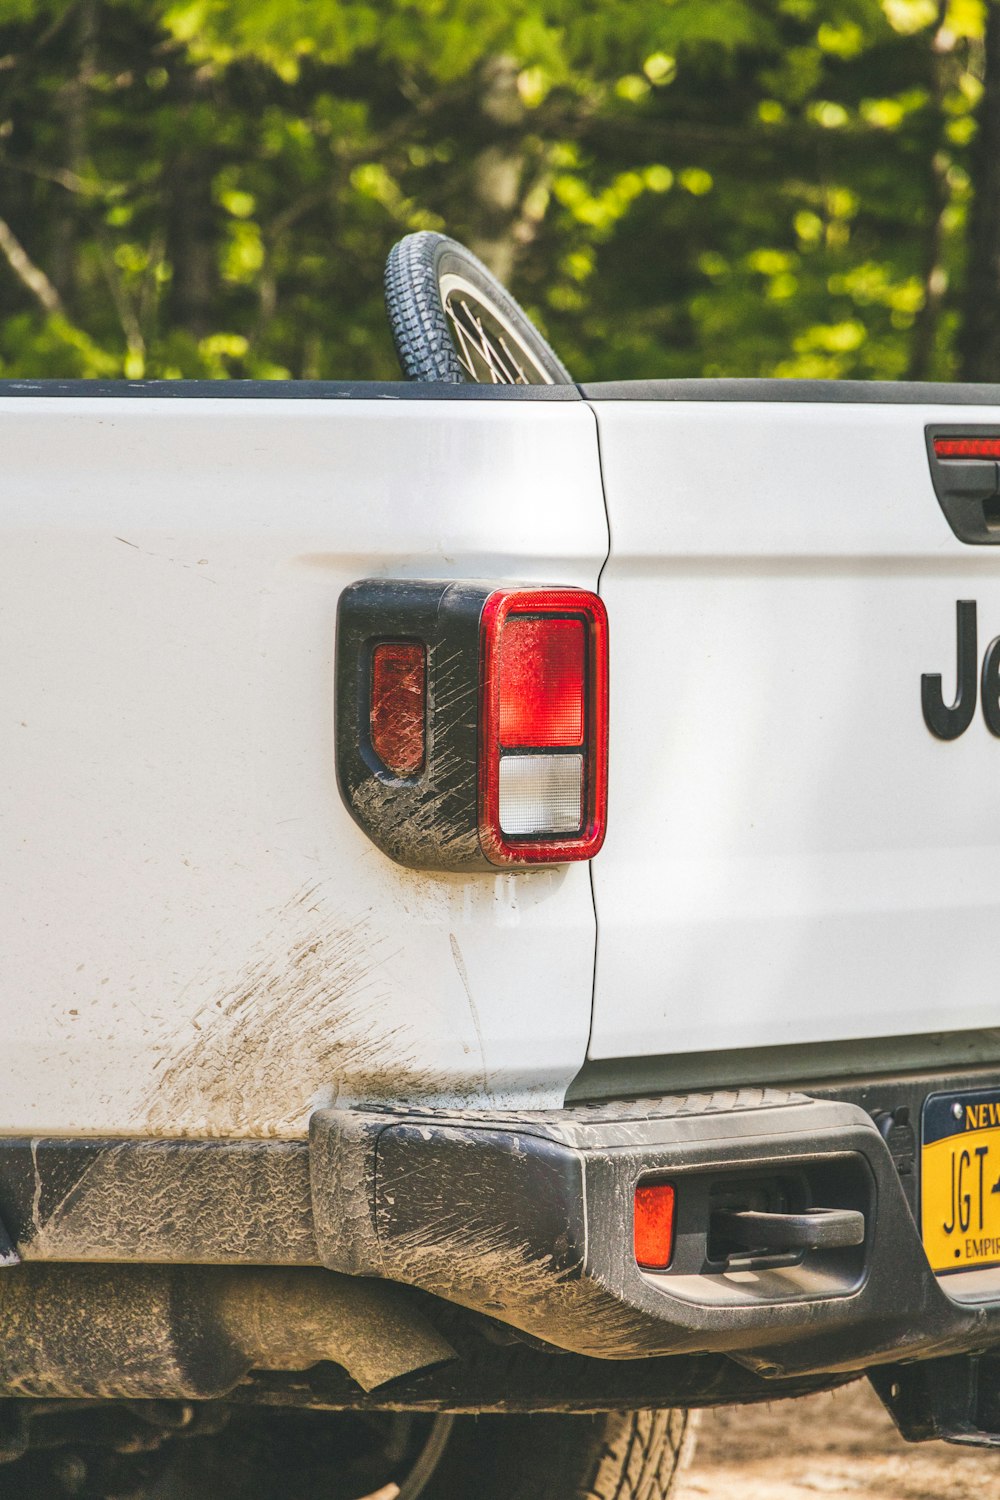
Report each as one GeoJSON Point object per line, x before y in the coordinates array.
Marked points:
{"type": "Point", "coordinates": [421, 328]}
{"type": "Point", "coordinates": [418, 320]}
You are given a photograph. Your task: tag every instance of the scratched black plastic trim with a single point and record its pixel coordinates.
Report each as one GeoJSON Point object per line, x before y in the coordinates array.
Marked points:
{"type": "Point", "coordinates": [848, 392]}
{"type": "Point", "coordinates": [291, 390]}
{"type": "Point", "coordinates": [526, 1218]}
{"type": "Point", "coordinates": [429, 821]}
{"type": "Point", "coordinates": [221, 1202]}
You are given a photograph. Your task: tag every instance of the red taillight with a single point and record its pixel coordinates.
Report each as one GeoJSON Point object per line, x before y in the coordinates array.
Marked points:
{"type": "Point", "coordinates": [967, 447]}
{"type": "Point", "coordinates": [399, 671]}
{"type": "Point", "coordinates": [653, 1226]}
{"type": "Point", "coordinates": [542, 667]}
{"type": "Point", "coordinates": [543, 726]}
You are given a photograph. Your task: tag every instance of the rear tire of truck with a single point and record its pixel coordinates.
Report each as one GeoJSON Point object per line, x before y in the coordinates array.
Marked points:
{"type": "Point", "coordinates": [611, 1456]}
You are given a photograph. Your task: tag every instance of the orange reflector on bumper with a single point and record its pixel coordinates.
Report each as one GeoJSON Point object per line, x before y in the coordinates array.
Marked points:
{"type": "Point", "coordinates": [653, 1225]}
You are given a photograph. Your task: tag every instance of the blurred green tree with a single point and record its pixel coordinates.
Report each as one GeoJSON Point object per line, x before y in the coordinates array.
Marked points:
{"type": "Point", "coordinates": [672, 187]}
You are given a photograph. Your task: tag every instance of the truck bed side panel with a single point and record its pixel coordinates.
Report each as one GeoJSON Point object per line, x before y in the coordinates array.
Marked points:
{"type": "Point", "coordinates": [197, 938]}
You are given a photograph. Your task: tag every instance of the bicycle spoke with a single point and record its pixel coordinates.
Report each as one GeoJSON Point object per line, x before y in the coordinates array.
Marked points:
{"type": "Point", "coordinates": [473, 339]}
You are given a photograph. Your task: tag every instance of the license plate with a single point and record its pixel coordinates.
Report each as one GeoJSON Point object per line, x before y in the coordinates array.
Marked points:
{"type": "Point", "coordinates": [960, 1180]}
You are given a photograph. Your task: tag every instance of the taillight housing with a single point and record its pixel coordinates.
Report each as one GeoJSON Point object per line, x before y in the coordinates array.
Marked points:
{"type": "Point", "coordinates": [472, 721]}
{"type": "Point", "coordinates": [543, 743]}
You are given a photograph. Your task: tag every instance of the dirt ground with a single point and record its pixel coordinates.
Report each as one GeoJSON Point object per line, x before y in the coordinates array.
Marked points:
{"type": "Point", "coordinates": [842, 1444]}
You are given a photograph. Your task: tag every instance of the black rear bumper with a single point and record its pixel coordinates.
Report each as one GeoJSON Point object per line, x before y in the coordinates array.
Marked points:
{"type": "Point", "coordinates": [527, 1219]}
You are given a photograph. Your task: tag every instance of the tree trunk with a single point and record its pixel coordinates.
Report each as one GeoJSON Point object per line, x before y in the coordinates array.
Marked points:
{"type": "Point", "coordinates": [75, 107]}
{"type": "Point", "coordinates": [934, 276]}
{"type": "Point", "coordinates": [498, 169]}
{"type": "Point", "coordinates": [191, 217]}
{"type": "Point", "coordinates": [979, 343]}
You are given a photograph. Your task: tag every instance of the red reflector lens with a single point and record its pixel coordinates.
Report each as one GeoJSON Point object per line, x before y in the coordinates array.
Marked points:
{"type": "Point", "coordinates": [653, 1226]}
{"type": "Point", "coordinates": [541, 666]}
{"type": "Point", "coordinates": [399, 674]}
{"type": "Point", "coordinates": [967, 447]}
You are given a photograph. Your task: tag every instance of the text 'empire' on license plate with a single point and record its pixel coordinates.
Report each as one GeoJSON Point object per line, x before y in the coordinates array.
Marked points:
{"type": "Point", "coordinates": [960, 1180]}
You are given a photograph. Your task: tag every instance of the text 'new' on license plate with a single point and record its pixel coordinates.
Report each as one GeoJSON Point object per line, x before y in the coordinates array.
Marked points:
{"type": "Point", "coordinates": [960, 1180]}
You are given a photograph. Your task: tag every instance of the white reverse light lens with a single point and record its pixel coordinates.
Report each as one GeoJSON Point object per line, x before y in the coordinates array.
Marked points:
{"type": "Point", "coordinates": [541, 793]}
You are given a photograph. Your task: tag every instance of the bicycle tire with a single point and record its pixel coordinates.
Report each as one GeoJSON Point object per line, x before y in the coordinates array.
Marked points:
{"type": "Point", "coordinates": [453, 322]}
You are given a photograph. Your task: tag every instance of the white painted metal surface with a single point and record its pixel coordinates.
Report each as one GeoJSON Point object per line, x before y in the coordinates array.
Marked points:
{"type": "Point", "coordinates": [195, 937]}
{"type": "Point", "coordinates": [791, 857]}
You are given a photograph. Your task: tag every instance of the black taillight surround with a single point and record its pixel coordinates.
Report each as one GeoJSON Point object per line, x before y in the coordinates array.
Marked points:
{"type": "Point", "coordinates": [434, 820]}
{"type": "Point", "coordinates": [967, 484]}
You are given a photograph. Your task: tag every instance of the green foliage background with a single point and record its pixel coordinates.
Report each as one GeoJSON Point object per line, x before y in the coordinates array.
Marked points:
{"type": "Point", "coordinates": [672, 187]}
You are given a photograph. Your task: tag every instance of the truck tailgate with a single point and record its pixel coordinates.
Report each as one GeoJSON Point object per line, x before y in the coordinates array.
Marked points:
{"type": "Point", "coordinates": [792, 857]}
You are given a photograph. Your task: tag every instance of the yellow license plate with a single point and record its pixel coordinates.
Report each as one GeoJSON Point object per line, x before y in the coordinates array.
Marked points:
{"type": "Point", "coordinates": [960, 1180]}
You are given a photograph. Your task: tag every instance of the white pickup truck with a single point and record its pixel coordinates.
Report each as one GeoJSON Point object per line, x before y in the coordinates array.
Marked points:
{"type": "Point", "coordinates": [350, 1088]}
